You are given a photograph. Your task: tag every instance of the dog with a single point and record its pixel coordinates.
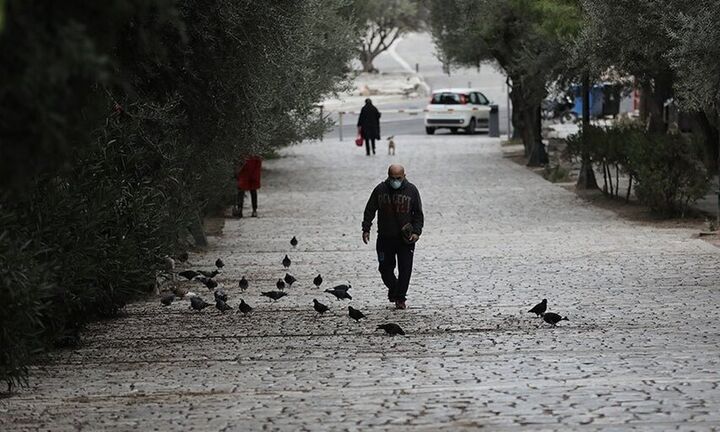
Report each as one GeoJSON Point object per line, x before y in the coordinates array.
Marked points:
{"type": "Point", "coordinates": [391, 145]}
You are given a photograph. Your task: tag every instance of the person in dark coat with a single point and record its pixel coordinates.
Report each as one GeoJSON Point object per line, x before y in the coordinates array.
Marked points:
{"type": "Point", "coordinates": [369, 125]}
{"type": "Point", "coordinates": [248, 179]}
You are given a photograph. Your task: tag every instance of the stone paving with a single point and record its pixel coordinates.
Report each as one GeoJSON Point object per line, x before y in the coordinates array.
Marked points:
{"type": "Point", "coordinates": [640, 350]}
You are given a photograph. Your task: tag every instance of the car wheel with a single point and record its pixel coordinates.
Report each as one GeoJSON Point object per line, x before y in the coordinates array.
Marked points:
{"type": "Point", "coordinates": [429, 130]}
{"type": "Point", "coordinates": [453, 130]}
{"type": "Point", "coordinates": [471, 127]}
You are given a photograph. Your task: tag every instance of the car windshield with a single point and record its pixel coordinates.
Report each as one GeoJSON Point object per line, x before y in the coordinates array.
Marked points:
{"type": "Point", "coordinates": [447, 98]}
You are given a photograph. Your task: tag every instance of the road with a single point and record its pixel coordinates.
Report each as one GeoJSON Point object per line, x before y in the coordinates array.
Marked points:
{"type": "Point", "coordinates": [418, 48]}
{"type": "Point", "coordinates": [640, 351]}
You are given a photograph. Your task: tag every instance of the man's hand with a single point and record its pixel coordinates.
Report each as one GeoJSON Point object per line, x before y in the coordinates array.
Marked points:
{"type": "Point", "coordinates": [414, 237]}
{"type": "Point", "coordinates": [366, 237]}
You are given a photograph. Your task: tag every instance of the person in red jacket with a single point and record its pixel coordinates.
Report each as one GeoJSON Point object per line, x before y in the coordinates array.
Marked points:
{"type": "Point", "coordinates": [248, 179]}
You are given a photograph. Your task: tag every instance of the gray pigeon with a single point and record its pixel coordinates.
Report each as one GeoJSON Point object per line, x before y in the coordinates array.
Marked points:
{"type": "Point", "coordinates": [198, 303]}
{"type": "Point", "coordinates": [244, 307]}
{"type": "Point", "coordinates": [294, 241]}
{"type": "Point", "coordinates": [289, 279]}
{"type": "Point", "coordinates": [188, 274]}
{"type": "Point", "coordinates": [243, 284]}
{"type": "Point", "coordinates": [280, 284]}
{"type": "Point", "coordinates": [275, 295]}
{"type": "Point", "coordinates": [339, 294]}
{"type": "Point", "coordinates": [342, 287]}
{"type": "Point", "coordinates": [392, 329]}
{"type": "Point", "coordinates": [222, 306]}
{"type": "Point", "coordinates": [319, 307]}
{"type": "Point", "coordinates": [355, 314]}
{"type": "Point", "coordinates": [553, 318]}
{"type": "Point", "coordinates": [220, 295]}
{"type": "Point", "coordinates": [167, 299]}
{"type": "Point", "coordinates": [219, 263]}
{"type": "Point", "coordinates": [318, 281]}
{"type": "Point", "coordinates": [286, 261]}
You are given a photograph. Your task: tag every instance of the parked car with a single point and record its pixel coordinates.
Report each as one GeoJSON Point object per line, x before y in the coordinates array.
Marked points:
{"type": "Point", "coordinates": [457, 108]}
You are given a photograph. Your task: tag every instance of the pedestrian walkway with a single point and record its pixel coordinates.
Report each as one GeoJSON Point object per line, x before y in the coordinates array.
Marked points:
{"type": "Point", "coordinates": [641, 349]}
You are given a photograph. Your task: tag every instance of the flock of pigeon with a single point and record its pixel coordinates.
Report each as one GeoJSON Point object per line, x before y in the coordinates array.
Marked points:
{"type": "Point", "coordinates": [221, 299]}
{"type": "Point", "coordinates": [549, 317]}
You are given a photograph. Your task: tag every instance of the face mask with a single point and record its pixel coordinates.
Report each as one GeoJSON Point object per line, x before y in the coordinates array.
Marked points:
{"type": "Point", "coordinates": [395, 184]}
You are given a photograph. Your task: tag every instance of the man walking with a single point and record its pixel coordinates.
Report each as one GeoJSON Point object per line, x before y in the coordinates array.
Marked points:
{"type": "Point", "coordinates": [369, 125]}
{"type": "Point", "coordinates": [400, 223]}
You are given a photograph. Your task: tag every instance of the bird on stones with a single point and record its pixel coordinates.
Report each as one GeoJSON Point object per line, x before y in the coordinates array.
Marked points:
{"type": "Point", "coordinates": [318, 281]}
{"type": "Point", "coordinates": [198, 303]}
{"type": "Point", "coordinates": [275, 295]}
{"type": "Point", "coordinates": [220, 295]}
{"type": "Point", "coordinates": [355, 314]}
{"type": "Point", "coordinates": [179, 291]}
{"type": "Point", "coordinates": [392, 329]}
{"type": "Point", "coordinates": [167, 298]}
{"type": "Point", "coordinates": [280, 284]}
{"type": "Point", "coordinates": [208, 282]}
{"type": "Point", "coordinates": [183, 257]}
{"type": "Point", "coordinates": [294, 241]}
{"type": "Point", "coordinates": [319, 307]}
{"type": "Point", "coordinates": [208, 274]}
{"type": "Point", "coordinates": [553, 318]}
{"type": "Point", "coordinates": [189, 274]}
{"type": "Point", "coordinates": [540, 308]}
{"type": "Point", "coordinates": [222, 306]}
{"type": "Point", "coordinates": [289, 279]}
{"type": "Point", "coordinates": [219, 263]}
{"type": "Point", "coordinates": [339, 294]}
{"type": "Point", "coordinates": [169, 263]}
{"type": "Point", "coordinates": [286, 261]}
{"type": "Point", "coordinates": [244, 307]}
{"type": "Point", "coordinates": [342, 287]}
{"type": "Point", "coordinates": [243, 283]}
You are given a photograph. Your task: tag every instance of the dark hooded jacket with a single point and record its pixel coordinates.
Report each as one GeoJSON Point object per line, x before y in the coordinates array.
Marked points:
{"type": "Point", "coordinates": [406, 202]}
{"type": "Point", "coordinates": [369, 122]}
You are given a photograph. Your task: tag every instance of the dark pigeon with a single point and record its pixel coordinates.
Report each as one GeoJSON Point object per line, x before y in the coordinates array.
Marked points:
{"type": "Point", "coordinates": [208, 274]}
{"type": "Point", "coordinates": [294, 241]}
{"type": "Point", "coordinates": [219, 263]}
{"type": "Point", "coordinates": [243, 284]}
{"type": "Point", "coordinates": [319, 307]}
{"type": "Point", "coordinates": [244, 307]}
{"type": "Point", "coordinates": [286, 261]}
{"type": "Point", "coordinates": [198, 304]}
{"type": "Point", "coordinates": [355, 314]}
{"type": "Point", "coordinates": [339, 294]}
{"type": "Point", "coordinates": [275, 295]}
{"type": "Point", "coordinates": [318, 281]}
{"type": "Point", "coordinates": [220, 295]}
{"type": "Point", "coordinates": [289, 279]}
{"type": "Point", "coordinates": [553, 318]}
{"type": "Point", "coordinates": [208, 282]}
{"type": "Point", "coordinates": [540, 308]}
{"type": "Point", "coordinates": [280, 284]}
{"type": "Point", "coordinates": [342, 287]}
{"type": "Point", "coordinates": [188, 274]}
{"type": "Point", "coordinates": [183, 257]}
{"type": "Point", "coordinates": [179, 291]}
{"type": "Point", "coordinates": [392, 329]}
{"type": "Point", "coordinates": [167, 299]}
{"type": "Point", "coordinates": [222, 306]}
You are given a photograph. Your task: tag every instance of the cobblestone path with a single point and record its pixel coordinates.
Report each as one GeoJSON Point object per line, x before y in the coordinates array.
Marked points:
{"type": "Point", "coordinates": [640, 350]}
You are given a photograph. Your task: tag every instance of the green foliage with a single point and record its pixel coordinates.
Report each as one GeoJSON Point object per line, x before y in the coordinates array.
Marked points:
{"type": "Point", "coordinates": [121, 122]}
{"type": "Point", "coordinates": [668, 170]}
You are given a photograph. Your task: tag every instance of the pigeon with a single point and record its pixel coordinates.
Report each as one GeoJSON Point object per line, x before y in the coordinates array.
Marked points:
{"type": "Point", "coordinates": [286, 261]}
{"type": "Point", "coordinates": [208, 282]}
{"type": "Point", "coordinates": [342, 287]}
{"type": "Point", "coordinates": [244, 307]}
{"type": "Point", "coordinates": [219, 263]}
{"type": "Point", "coordinates": [222, 306]}
{"type": "Point", "coordinates": [553, 318]}
{"type": "Point", "coordinates": [392, 329]}
{"type": "Point", "coordinates": [167, 299]}
{"type": "Point", "coordinates": [293, 241]}
{"type": "Point", "coordinates": [355, 314]}
{"type": "Point", "coordinates": [339, 294]}
{"type": "Point", "coordinates": [220, 295]}
{"type": "Point", "coordinates": [319, 307]}
{"type": "Point", "coordinates": [243, 284]}
{"type": "Point", "coordinates": [280, 284]}
{"type": "Point", "coordinates": [318, 281]}
{"type": "Point", "coordinates": [540, 308]}
{"type": "Point", "coordinates": [183, 257]}
{"type": "Point", "coordinates": [275, 295]}
{"type": "Point", "coordinates": [189, 274]}
{"type": "Point", "coordinates": [289, 279]}
{"type": "Point", "coordinates": [169, 262]}
{"type": "Point", "coordinates": [179, 291]}
{"type": "Point", "coordinates": [208, 274]}
{"type": "Point", "coordinates": [198, 304]}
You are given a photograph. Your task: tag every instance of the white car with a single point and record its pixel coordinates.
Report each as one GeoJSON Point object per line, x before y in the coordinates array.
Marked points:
{"type": "Point", "coordinates": [457, 108]}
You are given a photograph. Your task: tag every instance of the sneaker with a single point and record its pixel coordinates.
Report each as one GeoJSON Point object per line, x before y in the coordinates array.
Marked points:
{"type": "Point", "coordinates": [400, 305]}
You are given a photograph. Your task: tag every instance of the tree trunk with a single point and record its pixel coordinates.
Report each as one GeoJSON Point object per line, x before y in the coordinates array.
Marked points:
{"type": "Point", "coordinates": [533, 121]}
{"type": "Point", "coordinates": [515, 117]}
{"type": "Point", "coordinates": [711, 136]}
{"type": "Point", "coordinates": [586, 178]}
{"type": "Point", "coordinates": [661, 91]}
{"type": "Point", "coordinates": [366, 58]}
